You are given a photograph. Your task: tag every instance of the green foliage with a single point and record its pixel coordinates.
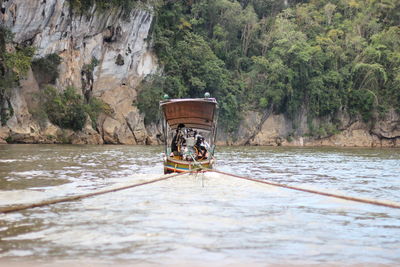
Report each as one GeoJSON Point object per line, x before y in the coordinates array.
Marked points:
{"type": "Point", "coordinates": [46, 68]}
{"type": "Point", "coordinates": [40, 115]}
{"type": "Point", "coordinates": [361, 102]}
{"type": "Point", "coordinates": [94, 108]}
{"type": "Point", "coordinates": [83, 6]}
{"type": "Point", "coordinates": [67, 109]}
{"type": "Point", "coordinates": [257, 54]}
{"type": "Point", "coordinates": [64, 109]}
{"type": "Point", "coordinates": [322, 56]}
{"type": "Point", "coordinates": [6, 36]}
{"type": "Point", "coordinates": [14, 64]}
{"type": "Point", "coordinates": [191, 67]}
{"type": "Point", "coordinates": [19, 61]}
{"type": "Point", "coordinates": [150, 94]}
{"type": "Point", "coordinates": [90, 67]}
{"type": "Point", "coordinates": [323, 130]}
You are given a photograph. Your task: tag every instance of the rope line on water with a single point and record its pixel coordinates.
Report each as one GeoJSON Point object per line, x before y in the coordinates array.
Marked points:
{"type": "Point", "coordinates": [76, 197]}
{"type": "Point", "coordinates": [350, 198]}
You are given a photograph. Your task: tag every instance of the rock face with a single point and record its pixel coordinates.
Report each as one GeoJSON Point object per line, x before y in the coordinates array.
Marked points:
{"type": "Point", "coordinates": [117, 44]}
{"type": "Point", "coordinates": [278, 130]}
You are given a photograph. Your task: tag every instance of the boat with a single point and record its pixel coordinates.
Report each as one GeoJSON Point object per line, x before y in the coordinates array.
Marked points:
{"type": "Point", "coordinates": [189, 129]}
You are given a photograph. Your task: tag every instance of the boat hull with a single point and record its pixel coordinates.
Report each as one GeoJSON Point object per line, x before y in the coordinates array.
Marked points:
{"type": "Point", "coordinates": [172, 165]}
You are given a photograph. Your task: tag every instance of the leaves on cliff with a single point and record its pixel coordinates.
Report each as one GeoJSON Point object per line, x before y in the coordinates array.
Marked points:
{"type": "Point", "coordinates": [46, 69]}
{"type": "Point", "coordinates": [322, 56]}
{"type": "Point", "coordinates": [67, 109]}
{"type": "Point", "coordinates": [84, 6]}
{"type": "Point", "coordinates": [14, 64]}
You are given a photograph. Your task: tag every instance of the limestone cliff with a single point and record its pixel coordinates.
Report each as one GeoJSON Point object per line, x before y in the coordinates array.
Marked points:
{"type": "Point", "coordinates": [278, 130]}
{"type": "Point", "coordinates": [124, 59]}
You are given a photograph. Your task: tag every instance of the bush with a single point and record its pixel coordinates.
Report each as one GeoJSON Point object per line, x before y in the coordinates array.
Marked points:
{"type": "Point", "coordinates": [94, 108]}
{"type": "Point", "coordinates": [361, 102]}
{"type": "Point", "coordinates": [64, 109]}
{"type": "Point", "coordinates": [83, 6]}
{"type": "Point", "coordinates": [90, 67]}
{"type": "Point", "coordinates": [14, 65]}
{"type": "Point", "coordinates": [40, 115]}
{"type": "Point", "coordinates": [45, 69]}
{"type": "Point", "coordinates": [150, 93]}
{"type": "Point", "coordinates": [68, 110]}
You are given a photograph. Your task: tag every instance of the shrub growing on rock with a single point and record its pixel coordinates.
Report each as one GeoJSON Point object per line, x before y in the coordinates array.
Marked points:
{"type": "Point", "coordinates": [45, 69]}
{"type": "Point", "coordinates": [68, 110]}
{"type": "Point", "coordinates": [64, 109]}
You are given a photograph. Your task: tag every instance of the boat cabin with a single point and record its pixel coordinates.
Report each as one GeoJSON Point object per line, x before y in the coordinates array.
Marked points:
{"type": "Point", "coordinates": [189, 130]}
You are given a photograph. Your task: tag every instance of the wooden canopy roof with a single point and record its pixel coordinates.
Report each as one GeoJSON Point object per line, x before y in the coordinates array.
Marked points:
{"type": "Point", "coordinates": [197, 113]}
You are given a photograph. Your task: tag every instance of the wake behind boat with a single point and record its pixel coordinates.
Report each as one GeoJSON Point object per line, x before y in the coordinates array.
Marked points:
{"type": "Point", "coordinates": [189, 129]}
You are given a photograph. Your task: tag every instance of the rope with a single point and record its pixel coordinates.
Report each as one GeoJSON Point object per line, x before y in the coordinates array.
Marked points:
{"type": "Point", "coordinates": [350, 198]}
{"type": "Point", "coordinates": [76, 197]}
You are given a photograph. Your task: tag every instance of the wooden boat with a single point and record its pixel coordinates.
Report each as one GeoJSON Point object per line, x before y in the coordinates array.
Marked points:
{"type": "Point", "coordinates": [189, 129]}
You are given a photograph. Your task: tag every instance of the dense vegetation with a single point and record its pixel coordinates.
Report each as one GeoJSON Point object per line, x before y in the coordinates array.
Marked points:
{"type": "Point", "coordinates": [46, 68]}
{"type": "Point", "coordinates": [319, 55]}
{"type": "Point", "coordinates": [68, 109]}
{"type": "Point", "coordinates": [14, 64]}
{"type": "Point", "coordinates": [83, 6]}
{"type": "Point", "coordinates": [322, 56]}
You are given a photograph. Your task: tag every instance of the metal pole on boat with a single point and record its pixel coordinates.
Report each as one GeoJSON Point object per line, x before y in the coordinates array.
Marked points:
{"type": "Point", "coordinates": [214, 129]}
{"type": "Point", "coordinates": [164, 125]}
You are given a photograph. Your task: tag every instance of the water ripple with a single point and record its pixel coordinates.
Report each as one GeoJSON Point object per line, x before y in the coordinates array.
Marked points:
{"type": "Point", "coordinates": [209, 218]}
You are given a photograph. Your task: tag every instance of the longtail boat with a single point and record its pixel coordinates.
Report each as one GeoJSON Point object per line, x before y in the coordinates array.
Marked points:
{"type": "Point", "coordinates": [189, 129]}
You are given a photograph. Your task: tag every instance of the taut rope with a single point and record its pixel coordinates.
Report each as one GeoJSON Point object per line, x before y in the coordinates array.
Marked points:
{"type": "Point", "coordinates": [76, 197]}
{"type": "Point", "coordinates": [350, 198]}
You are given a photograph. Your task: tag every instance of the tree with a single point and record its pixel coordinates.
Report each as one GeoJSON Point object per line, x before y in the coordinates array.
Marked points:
{"type": "Point", "coordinates": [322, 56]}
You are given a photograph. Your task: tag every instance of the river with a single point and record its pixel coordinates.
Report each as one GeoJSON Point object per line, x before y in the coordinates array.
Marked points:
{"type": "Point", "coordinates": [205, 219]}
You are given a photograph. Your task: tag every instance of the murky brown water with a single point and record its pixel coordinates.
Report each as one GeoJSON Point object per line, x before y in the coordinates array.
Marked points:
{"type": "Point", "coordinates": [204, 219]}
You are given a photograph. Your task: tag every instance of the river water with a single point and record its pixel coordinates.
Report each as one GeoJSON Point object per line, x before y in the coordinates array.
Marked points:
{"type": "Point", "coordinates": [205, 219]}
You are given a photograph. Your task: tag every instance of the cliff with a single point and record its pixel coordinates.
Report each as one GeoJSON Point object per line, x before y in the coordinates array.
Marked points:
{"type": "Point", "coordinates": [124, 58]}
{"type": "Point", "coordinates": [278, 130]}
{"type": "Point", "coordinates": [120, 48]}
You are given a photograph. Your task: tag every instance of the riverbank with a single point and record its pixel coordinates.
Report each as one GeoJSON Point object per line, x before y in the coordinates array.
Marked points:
{"type": "Point", "coordinates": [361, 139]}
{"type": "Point", "coordinates": [253, 130]}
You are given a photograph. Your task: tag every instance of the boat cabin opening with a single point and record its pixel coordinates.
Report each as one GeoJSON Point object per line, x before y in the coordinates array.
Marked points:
{"type": "Point", "coordinates": [189, 130]}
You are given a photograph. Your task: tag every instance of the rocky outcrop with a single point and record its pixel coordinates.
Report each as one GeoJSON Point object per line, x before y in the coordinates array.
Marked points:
{"type": "Point", "coordinates": [278, 130]}
{"type": "Point", "coordinates": [118, 45]}
{"type": "Point", "coordinates": [388, 127]}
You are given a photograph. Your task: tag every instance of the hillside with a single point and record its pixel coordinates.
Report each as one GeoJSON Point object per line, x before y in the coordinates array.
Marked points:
{"type": "Point", "coordinates": [284, 72]}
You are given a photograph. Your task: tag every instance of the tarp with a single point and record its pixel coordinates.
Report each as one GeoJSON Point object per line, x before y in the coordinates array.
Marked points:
{"type": "Point", "coordinates": [198, 113]}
